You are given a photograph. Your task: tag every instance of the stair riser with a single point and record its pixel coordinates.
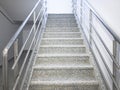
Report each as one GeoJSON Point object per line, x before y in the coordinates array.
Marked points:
{"type": "Point", "coordinates": [62, 42]}
{"type": "Point", "coordinates": [61, 35]}
{"type": "Point", "coordinates": [64, 87]}
{"type": "Point", "coordinates": [73, 61]}
{"type": "Point", "coordinates": [62, 29]}
{"type": "Point", "coordinates": [63, 74]}
{"type": "Point", "coordinates": [61, 20]}
{"type": "Point", "coordinates": [60, 15]}
{"type": "Point", "coordinates": [64, 21]}
{"type": "Point", "coordinates": [61, 25]}
{"type": "Point", "coordinates": [62, 50]}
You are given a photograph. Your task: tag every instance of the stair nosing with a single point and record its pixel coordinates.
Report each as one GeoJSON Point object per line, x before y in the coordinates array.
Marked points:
{"type": "Point", "coordinates": [70, 46]}
{"type": "Point", "coordinates": [86, 82]}
{"type": "Point", "coordinates": [63, 32]}
{"type": "Point", "coordinates": [62, 38]}
{"type": "Point", "coordinates": [62, 55]}
{"type": "Point", "coordinates": [63, 67]}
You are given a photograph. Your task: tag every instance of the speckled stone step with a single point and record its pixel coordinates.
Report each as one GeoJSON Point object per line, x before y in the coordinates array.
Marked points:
{"type": "Point", "coordinates": [62, 21]}
{"type": "Point", "coordinates": [56, 73]}
{"type": "Point", "coordinates": [62, 59]}
{"type": "Point", "coordinates": [61, 29]}
{"type": "Point", "coordinates": [61, 25]}
{"type": "Point", "coordinates": [60, 15]}
{"type": "Point", "coordinates": [62, 35]}
{"type": "Point", "coordinates": [62, 41]}
{"type": "Point", "coordinates": [64, 85]}
{"type": "Point", "coordinates": [62, 49]}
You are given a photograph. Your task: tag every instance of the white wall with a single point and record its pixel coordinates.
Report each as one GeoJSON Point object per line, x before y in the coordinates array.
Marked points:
{"type": "Point", "coordinates": [6, 31]}
{"type": "Point", "coordinates": [59, 6]}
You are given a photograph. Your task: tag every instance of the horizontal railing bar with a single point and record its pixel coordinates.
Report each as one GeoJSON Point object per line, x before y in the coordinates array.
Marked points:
{"type": "Point", "coordinates": [111, 75]}
{"type": "Point", "coordinates": [30, 60]}
{"type": "Point", "coordinates": [15, 63]}
{"type": "Point", "coordinates": [116, 37]}
{"type": "Point", "coordinates": [26, 56]}
{"type": "Point", "coordinates": [19, 29]}
{"type": "Point", "coordinates": [112, 57]}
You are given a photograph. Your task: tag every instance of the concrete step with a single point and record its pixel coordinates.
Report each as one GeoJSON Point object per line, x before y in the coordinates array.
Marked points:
{"type": "Point", "coordinates": [60, 15]}
{"type": "Point", "coordinates": [62, 21]}
{"type": "Point", "coordinates": [58, 73]}
{"type": "Point", "coordinates": [62, 60]}
{"type": "Point", "coordinates": [64, 85]}
{"type": "Point", "coordinates": [62, 49]}
{"type": "Point", "coordinates": [62, 35]}
{"type": "Point", "coordinates": [62, 41]}
{"type": "Point", "coordinates": [61, 25]}
{"type": "Point", "coordinates": [61, 29]}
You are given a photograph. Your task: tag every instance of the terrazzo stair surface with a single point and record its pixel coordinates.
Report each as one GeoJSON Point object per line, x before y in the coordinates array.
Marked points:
{"type": "Point", "coordinates": [61, 29]}
{"type": "Point", "coordinates": [63, 61]}
{"type": "Point", "coordinates": [62, 41]}
{"type": "Point", "coordinates": [62, 35]}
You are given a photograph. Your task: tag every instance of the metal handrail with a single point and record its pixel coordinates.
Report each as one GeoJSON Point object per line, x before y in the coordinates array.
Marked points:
{"type": "Point", "coordinates": [14, 41]}
{"type": "Point", "coordinates": [111, 32]}
{"type": "Point", "coordinates": [7, 17]}
{"type": "Point", "coordinates": [25, 42]}
{"type": "Point", "coordinates": [19, 30]}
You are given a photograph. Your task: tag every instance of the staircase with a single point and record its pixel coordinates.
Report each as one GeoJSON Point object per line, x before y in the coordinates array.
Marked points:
{"type": "Point", "coordinates": [63, 61]}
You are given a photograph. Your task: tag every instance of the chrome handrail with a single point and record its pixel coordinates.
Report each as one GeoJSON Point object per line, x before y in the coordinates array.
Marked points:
{"type": "Point", "coordinates": [38, 21]}
{"type": "Point", "coordinates": [6, 16]}
{"type": "Point", "coordinates": [116, 41]}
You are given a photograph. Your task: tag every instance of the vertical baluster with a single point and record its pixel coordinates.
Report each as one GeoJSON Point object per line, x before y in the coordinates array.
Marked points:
{"type": "Point", "coordinates": [5, 70]}
{"type": "Point", "coordinates": [15, 57]}
{"type": "Point", "coordinates": [81, 12]}
{"type": "Point", "coordinates": [34, 24]}
{"type": "Point", "coordinates": [115, 70]}
{"type": "Point", "coordinates": [90, 27]}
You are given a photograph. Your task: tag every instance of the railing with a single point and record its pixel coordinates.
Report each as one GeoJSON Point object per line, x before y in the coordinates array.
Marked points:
{"type": "Point", "coordinates": [39, 20]}
{"type": "Point", "coordinates": [6, 16]}
{"type": "Point", "coordinates": [94, 39]}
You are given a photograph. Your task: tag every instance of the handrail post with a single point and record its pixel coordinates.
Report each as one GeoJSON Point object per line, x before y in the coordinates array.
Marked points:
{"type": "Point", "coordinates": [15, 57]}
{"type": "Point", "coordinates": [34, 23]}
{"type": "Point", "coordinates": [5, 70]}
{"type": "Point", "coordinates": [115, 70]}
{"type": "Point", "coordinates": [81, 13]}
{"type": "Point", "coordinates": [90, 27]}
